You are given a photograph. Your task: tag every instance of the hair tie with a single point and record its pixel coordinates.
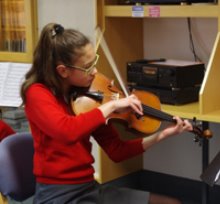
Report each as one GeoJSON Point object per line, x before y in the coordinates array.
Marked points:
{"type": "Point", "coordinates": [57, 29]}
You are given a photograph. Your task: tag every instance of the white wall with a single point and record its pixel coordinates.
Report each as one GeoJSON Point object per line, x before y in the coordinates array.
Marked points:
{"type": "Point", "coordinates": [169, 38]}
{"type": "Point", "coordinates": [75, 14]}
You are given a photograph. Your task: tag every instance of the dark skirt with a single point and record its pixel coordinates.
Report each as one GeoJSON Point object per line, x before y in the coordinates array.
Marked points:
{"type": "Point", "coordinates": [88, 193]}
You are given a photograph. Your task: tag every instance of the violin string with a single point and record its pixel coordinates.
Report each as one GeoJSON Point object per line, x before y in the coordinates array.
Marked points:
{"type": "Point", "coordinates": [156, 113]}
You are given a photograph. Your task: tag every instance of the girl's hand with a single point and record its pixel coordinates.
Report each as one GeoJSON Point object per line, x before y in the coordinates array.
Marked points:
{"type": "Point", "coordinates": [125, 104]}
{"type": "Point", "coordinates": [179, 127]}
{"type": "Point", "coordinates": [131, 102]}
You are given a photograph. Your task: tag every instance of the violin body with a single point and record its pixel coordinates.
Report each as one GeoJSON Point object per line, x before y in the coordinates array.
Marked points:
{"type": "Point", "coordinates": [101, 84]}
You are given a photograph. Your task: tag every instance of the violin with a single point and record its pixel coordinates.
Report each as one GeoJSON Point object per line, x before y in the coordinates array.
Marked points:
{"type": "Point", "coordinates": [102, 90]}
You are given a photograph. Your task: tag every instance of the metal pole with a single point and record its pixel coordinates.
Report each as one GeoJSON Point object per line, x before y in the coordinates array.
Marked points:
{"type": "Point", "coordinates": [205, 162]}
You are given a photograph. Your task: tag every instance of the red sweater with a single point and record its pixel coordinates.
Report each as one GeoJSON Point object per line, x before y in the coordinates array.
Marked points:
{"type": "Point", "coordinates": [62, 140]}
{"type": "Point", "coordinates": [5, 130]}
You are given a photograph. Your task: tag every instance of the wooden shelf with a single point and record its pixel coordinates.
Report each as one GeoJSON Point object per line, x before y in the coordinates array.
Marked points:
{"type": "Point", "coordinates": [166, 11]}
{"type": "Point", "coordinates": [119, 16]}
{"type": "Point", "coordinates": [184, 111]}
{"type": "Point", "coordinates": [208, 107]}
{"type": "Point", "coordinates": [191, 110]}
{"type": "Point", "coordinates": [209, 95]}
{"type": "Point", "coordinates": [124, 36]}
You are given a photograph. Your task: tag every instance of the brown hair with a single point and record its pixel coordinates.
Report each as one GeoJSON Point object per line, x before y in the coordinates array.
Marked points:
{"type": "Point", "coordinates": [56, 45]}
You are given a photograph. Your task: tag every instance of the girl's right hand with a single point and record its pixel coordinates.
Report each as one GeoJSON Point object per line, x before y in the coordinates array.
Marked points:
{"type": "Point", "coordinates": [125, 104]}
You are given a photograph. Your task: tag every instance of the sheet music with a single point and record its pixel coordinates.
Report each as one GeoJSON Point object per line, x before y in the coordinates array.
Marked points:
{"type": "Point", "coordinates": [11, 77]}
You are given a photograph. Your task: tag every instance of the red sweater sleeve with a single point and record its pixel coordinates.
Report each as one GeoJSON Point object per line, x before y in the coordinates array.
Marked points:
{"type": "Point", "coordinates": [5, 130]}
{"type": "Point", "coordinates": [52, 117]}
{"type": "Point", "coordinates": [117, 149]}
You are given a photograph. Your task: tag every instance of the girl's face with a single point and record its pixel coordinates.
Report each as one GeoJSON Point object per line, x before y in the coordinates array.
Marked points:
{"type": "Point", "coordinates": [81, 73]}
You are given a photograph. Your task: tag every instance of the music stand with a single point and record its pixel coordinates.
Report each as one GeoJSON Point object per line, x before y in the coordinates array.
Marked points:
{"type": "Point", "coordinates": [211, 174]}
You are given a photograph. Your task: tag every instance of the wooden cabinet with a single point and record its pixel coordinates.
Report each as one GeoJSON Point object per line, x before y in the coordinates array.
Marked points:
{"type": "Point", "coordinates": [124, 36]}
{"type": "Point", "coordinates": [18, 30]}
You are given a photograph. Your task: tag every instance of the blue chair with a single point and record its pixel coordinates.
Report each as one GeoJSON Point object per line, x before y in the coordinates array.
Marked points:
{"type": "Point", "coordinates": [17, 181]}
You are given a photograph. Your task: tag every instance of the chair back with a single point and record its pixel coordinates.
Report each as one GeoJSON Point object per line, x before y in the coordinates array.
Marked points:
{"type": "Point", "coordinates": [16, 166]}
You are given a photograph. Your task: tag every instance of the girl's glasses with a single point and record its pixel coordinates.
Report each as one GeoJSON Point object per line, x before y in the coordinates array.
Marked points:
{"type": "Point", "coordinates": [87, 70]}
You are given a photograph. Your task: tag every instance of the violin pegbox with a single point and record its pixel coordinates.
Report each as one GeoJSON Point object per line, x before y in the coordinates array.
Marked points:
{"type": "Point", "coordinates": [199, 133]}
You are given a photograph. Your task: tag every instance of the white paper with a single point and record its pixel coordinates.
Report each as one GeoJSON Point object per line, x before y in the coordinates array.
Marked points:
{"type": "Point", "coordinates": [11, 77]}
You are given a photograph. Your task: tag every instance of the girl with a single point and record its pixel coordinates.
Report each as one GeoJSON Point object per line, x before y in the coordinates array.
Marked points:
{"type": "Point", "coordinates": [65, 59]}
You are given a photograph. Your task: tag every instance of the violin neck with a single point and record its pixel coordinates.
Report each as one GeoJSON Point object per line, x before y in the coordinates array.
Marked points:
{"type": "Point", "coordinates": [157, 114]}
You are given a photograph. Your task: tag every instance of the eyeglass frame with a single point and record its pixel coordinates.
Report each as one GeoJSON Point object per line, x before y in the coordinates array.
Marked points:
{"type": "Point", "coordinates": [86, 70]}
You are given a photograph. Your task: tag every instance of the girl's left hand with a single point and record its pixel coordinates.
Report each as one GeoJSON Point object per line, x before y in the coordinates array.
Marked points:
{"type": "Point", "coordinates": [179, 127]}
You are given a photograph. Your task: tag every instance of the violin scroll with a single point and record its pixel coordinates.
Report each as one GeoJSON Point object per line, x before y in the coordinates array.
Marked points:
{"type": "Point", "coordinates": [199, 133]}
